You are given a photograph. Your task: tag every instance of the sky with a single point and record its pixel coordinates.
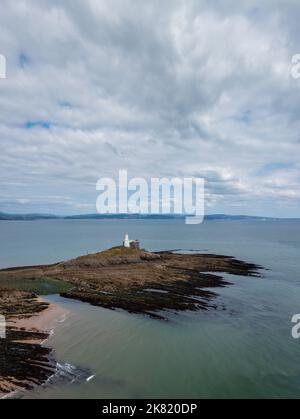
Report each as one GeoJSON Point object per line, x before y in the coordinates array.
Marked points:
{"type": "Point", "coordinates": [159, 88]}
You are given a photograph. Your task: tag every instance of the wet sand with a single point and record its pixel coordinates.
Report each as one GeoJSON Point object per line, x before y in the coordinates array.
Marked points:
{"type": "Point", "coordinates": [25, 359]}
{"type": "Point", "coordinates": [45, 321]}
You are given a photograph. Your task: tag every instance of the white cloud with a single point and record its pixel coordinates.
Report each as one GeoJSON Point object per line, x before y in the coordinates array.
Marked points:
{"type": "Point", "coordinates": [176, 88]}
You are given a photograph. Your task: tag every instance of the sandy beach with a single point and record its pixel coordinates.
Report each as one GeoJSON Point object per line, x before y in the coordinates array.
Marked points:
{"type": "Point", "coordinates": [45, 322]}
{"type": "Point", "coordinates": [26, 359]}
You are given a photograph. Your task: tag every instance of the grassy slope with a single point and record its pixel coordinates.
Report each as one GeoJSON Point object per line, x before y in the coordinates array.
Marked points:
{"type": "Point", "coordinates": [40, 286]}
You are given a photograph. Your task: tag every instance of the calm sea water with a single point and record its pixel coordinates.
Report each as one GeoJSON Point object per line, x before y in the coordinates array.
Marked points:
{"type": "Point", "coordinates": [245, 351]}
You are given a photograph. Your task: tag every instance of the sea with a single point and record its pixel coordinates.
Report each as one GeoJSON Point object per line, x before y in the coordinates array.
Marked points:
{"type": "Point", "coordinates": [242, 349]}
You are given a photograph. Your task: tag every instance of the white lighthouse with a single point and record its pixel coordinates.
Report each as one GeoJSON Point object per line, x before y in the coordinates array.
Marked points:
{"type": "Point", "coordinates": [126, 241]}
{"type": "Point", "coordinates": [130, 243]}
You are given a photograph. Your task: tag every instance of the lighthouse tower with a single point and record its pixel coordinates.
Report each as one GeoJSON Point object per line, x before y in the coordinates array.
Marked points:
{"type": "Point", "coordinates": [134, 244]}
{"type": "Point", "coordinates": [126, 241]}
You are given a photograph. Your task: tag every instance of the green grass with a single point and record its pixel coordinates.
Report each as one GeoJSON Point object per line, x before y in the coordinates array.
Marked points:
{"type": "Point", "coordinates": [114, 251]}
{"type": "Point", "coordinates": [40, 286]}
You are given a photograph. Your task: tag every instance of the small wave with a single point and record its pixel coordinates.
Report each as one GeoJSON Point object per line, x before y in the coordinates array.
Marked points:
{"type": "Point", "coordinates": [69, 373]}
{"type": "Point", "coordinates": [11, 395]}
{"type": "Point", "coordinates": [51, 333]}
{"type": "Point", "coordinates": [63, 318]}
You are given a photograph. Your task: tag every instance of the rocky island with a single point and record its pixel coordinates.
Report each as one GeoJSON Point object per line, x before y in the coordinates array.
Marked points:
{"type": "Point", "coordinates": [132, 279]}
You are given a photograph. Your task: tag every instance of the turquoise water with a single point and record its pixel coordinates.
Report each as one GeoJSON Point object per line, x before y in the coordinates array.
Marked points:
{"type": "Point", "coordinates": [245, 350]}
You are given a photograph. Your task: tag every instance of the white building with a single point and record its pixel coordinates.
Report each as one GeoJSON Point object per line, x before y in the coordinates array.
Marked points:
{"type": "Point", "coordinates": [126, 241]}
{"type": "Point", "coordinates": [130, 243]}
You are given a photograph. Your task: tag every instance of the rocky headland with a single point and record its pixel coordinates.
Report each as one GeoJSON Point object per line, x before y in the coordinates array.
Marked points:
{"type": "Point", "coordinates": [134, 280]}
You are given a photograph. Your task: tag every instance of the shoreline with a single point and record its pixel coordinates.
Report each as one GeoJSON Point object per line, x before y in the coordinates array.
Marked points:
{"type": "Point", "coordinates": [44, 321]}
{"type": "Point", "coordinates": [26, 338]}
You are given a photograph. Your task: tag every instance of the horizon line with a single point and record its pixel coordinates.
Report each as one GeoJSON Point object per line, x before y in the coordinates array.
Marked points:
{"type": "Point", "coordinates": [129, 215]}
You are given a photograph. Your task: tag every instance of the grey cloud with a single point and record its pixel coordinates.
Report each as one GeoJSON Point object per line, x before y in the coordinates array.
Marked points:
{"type": "Point", "coordinates": [161, 88]}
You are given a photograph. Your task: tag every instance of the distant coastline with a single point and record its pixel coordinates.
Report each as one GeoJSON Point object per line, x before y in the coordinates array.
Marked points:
{"type": "Point", "coordinates": [210, 217]}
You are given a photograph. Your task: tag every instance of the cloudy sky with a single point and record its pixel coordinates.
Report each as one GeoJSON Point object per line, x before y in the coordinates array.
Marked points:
{"type": "Point", "coordinates": [160, 88]}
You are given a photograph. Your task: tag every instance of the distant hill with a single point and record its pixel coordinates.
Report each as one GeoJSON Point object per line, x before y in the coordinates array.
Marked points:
{"type": "Point", "coordinates": [32, 217]}
{"type": "Point", "coordinates": [26, 217]}
{"type": "Point", "coordinates": [124, 216]}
